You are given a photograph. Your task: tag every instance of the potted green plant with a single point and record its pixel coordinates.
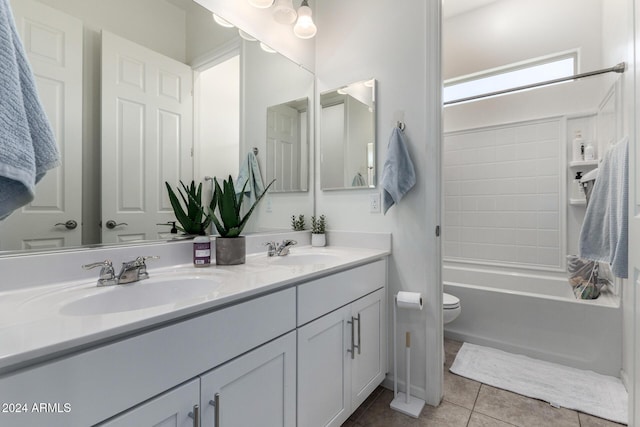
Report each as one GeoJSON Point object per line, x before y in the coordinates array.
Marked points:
{"type": "Point", "coordinates": [318, 238]}
{"type": "Point", "coordinates": [230, 245]}
{"type": "Point", "coordinates": [191, 218]}
{"type": "Point", "coordinates": [297, 224]}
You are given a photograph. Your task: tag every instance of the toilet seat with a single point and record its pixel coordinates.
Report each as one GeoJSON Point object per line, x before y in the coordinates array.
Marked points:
{"type": "Point", "coordinates": [450, 302]}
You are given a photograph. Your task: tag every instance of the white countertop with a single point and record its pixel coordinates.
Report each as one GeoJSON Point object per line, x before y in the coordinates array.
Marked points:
{"type": "Point", "coordinates": [36, 324]}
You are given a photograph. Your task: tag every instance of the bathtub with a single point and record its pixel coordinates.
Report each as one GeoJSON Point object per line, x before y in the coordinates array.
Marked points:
{"type": "Point", "coordinates": [535, 314]}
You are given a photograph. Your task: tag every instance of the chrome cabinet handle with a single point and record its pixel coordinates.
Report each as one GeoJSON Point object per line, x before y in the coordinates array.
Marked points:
{"type": "Point", "coordinates": [195, 415]}
{"type": "Point", "coordinates": [69, 225]}
{"type": "Point", "coordinates": [216, 404]}
{"type": "Point", "coordinates": [353, 339]}
{"type": "Point", "coordinates": [357, 319]}
{"type": "Point", "coordinates": [111, 224]}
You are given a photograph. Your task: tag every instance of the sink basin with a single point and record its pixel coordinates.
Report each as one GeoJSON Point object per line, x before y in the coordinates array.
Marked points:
{"type": "Point", "coordinates": [305, 258]}
{"type": "Point", "coordinates": [143, 294]}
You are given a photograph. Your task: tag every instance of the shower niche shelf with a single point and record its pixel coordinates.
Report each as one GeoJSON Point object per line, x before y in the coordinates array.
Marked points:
{"type": "Point", "coordinates": [583, 163]}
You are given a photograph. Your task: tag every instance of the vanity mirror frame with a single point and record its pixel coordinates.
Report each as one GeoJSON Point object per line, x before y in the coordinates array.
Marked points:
{"type": "Point", "coordinates": [348, 116]}
{"type": "Point", "coordinates": [302, 203]}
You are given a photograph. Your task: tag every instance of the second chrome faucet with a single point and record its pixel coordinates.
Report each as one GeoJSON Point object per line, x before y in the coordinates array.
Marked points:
{"type": "Point", "coordinates": [279, 249]}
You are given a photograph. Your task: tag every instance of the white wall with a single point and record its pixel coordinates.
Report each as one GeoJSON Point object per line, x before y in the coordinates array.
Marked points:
{"type": "Point", "coordinates": [398, 44]}
{"type": "Point", "coordinates": [217, 124]}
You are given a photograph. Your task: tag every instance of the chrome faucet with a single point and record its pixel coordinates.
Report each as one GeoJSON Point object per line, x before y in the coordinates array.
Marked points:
{"type": "Point", "coordinates": [131, 271]}
{"type": "Point", "coordinates": [283, 248]}
{"type": "Point", "coordinates": [271, 248]}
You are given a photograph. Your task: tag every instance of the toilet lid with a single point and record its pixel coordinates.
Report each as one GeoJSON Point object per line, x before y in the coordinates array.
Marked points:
{"type": "Point", "coordinates": [450, 301]}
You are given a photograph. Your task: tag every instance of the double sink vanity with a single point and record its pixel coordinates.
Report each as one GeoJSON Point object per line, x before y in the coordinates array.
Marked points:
{"type": "Point", "coordinates": [296, 340]}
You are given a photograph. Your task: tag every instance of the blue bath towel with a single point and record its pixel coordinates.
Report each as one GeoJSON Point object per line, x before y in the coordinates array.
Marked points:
{"type": "Point", "coordinates": [27, 145]}
{"type": "Point", "coordinates": [358, 180]}
{"type": "Point", "coordinates": [250, 174]}
{"type": "Point", "coordinates": [604, 234]}
{"type": "Point", "coordinates": [398, 174]}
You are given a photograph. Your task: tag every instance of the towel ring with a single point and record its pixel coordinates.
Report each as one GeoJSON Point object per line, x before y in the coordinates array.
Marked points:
{"type": "Point", "coordinates": [400, 125]}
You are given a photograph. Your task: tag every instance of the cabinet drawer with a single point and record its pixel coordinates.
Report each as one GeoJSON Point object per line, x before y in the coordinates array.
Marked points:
{"type": "Point", "coordinates": [106, 380]}
{"type": "Point", "coordinates": [321, 296]}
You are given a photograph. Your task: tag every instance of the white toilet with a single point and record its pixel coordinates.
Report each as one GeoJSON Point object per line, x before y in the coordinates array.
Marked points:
{"type": "Point", "coordinates": [450, 308]}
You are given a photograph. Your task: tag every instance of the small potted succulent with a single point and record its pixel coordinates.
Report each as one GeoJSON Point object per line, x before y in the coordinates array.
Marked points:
{"type": "Point", "coordinates": [230, 245]}
{"type": "Point", "coordinates": [193, 221]}
{"type": "Point", "coordinates": [297, 224]}
{"type": "Point", "coordinates": [318, 238]}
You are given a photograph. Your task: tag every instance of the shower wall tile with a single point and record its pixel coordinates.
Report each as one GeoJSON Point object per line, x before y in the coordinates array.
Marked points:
{"type": "Point", "coordinates": [502, 194]}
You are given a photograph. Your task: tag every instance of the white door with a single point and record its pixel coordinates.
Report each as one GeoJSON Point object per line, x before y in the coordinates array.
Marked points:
{"type": "Point", "coordinates": [53, 43]}
{"type": "Point", "coordinates": [283, 148]}
{"type": "Point", "coordinates": [324, 370]}
{"type": "Point", "coordinates": [369, 364]}
{"type": "Point", "coordinates": [172, 409]}
{"type": "Point", "coordinates": [146, 138]}
{"type": "Point", "coordinates": [257, 389]}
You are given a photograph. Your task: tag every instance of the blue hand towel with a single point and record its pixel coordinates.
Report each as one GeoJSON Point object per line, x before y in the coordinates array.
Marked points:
{"type": "Point", "coordinates": [358, 180]}
{"type": "Point", "coordinates": [250, 174]}
{"type": "Point", "coordinates": [27, 145]}
{"type": "Point", "coordinates": [604, 234]}
{"type": "Point", "coordinates": [398, 174]}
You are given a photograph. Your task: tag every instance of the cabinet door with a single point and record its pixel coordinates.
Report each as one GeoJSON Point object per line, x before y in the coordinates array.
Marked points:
{"type": "Point", "coordinates": [171, 409]}
{"type": "Point", "coordinates": [324, 370]}
{"type": "Point", "coordinates": [369, 366]}
{"type": "Point", "coordinates": [257, 389]}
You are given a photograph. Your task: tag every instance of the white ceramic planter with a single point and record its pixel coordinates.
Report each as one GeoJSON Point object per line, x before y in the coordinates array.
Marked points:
{"type": "Point", "coordinates": [318, 240]}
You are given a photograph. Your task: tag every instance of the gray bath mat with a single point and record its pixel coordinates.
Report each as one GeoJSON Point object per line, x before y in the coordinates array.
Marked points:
{"type": "Point", "coordinates": [584, 391]}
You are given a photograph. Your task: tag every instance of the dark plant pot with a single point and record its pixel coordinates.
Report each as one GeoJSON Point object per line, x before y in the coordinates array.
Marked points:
{"type": "Point", "coordinates": [230, 250]}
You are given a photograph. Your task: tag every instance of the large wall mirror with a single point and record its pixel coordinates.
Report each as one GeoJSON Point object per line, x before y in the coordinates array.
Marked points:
{"type": "Point", "coordinates": [154, 91]}
{"type": "Point", "coordinates": [348, 137]}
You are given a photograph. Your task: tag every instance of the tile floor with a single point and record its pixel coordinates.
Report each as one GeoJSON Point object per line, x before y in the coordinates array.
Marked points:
{"type": "Point", "coordinates": [468, 403]}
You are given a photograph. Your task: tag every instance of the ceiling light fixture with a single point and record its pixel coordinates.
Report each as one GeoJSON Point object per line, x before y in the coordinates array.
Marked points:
{"type": "Point", "coordinates": [222, 22]}
{"type": "Point", "coordinates": [246, 36]}
{"type": "Point", "coordinates": [283, 12]}
{"type": "Point", "coordinates": [305, 28]}
{"type": "Point", "coordinates": [261, 4]}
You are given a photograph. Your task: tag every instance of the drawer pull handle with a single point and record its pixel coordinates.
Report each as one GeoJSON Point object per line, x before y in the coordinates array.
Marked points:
{"type": "Point", "coordinates": [195, 415]}
{"type": "Point", "coordinates": [215, 402]}
{"type": "Point", "coordinates": [353, 338]}
{"type": "Point", "coordinates": [359, 346]}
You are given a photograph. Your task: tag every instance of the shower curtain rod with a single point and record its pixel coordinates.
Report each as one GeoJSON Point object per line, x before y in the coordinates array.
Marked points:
{"type": "Point", "coordinates": [619, 68]}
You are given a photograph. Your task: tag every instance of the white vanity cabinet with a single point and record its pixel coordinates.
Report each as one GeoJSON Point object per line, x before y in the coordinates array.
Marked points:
{"type": "Point", "coordinates": [175, 408]}
{"type": "Point", "coordinates": [341, 354]}
{"type": "Point", "coordinates": [257, 389]}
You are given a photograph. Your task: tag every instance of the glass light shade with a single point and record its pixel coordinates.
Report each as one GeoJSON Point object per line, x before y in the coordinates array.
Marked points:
{"type": "Point", "coordinates": [222, 22]}
{"type": "Point", "coordinates": [262, 4]}
{"type": "Point", "coordinates": [305, 28]}
{"type": "Point", "coordinates": [283, 12]}
{"type": "Point", "coordinates": [246, 36]}
{"type": "Point", "coordinates": [267, 48]}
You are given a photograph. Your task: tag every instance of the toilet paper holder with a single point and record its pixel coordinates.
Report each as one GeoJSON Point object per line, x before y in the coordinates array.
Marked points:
{"type": "Point", "coordinates": [404, 402]}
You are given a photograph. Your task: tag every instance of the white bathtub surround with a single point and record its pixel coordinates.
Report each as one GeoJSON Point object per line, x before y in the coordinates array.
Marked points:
{"type": "Point", "coordinates": [535, 314]}
{"type": "Point", "coordinates": [503, 192]}
{"type": "Point", "coordinates": [561, 386]}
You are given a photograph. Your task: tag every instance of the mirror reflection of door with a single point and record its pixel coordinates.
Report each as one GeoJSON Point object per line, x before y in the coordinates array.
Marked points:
{"type": "Point", "coordinates": [53, 43]}
{"type": "Point", "coordinates": [284, 145]}
{"type": "Point", "coordinates": [146, 138]}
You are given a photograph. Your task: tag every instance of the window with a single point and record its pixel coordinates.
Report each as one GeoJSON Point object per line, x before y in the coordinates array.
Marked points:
{"type": "Point", "coordinates": [511, 76]}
